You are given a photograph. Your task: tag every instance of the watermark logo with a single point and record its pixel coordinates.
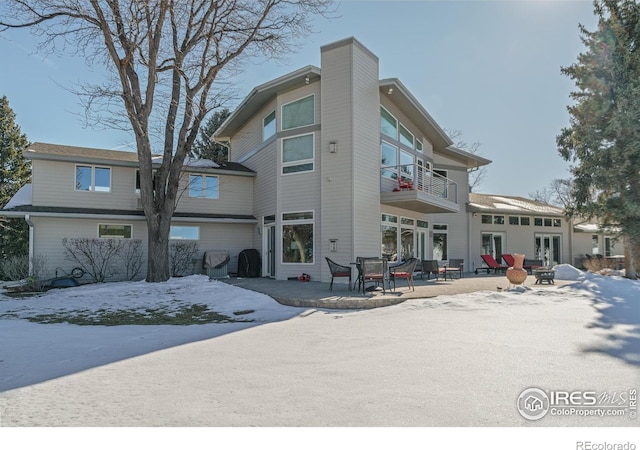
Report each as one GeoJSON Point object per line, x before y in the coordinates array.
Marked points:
{"type": "Point", "coordinates": [534, 403]}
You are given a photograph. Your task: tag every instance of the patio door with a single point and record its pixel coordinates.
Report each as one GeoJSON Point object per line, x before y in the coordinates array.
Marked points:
{"type": "Point", "coordinates": [547, 248]}
{"type": "Point", "coordinates": [421, 244]}
{"type": "Point", "coordinates": [269, 247]}
{"type": "Point", "coordinates": [494, 244]}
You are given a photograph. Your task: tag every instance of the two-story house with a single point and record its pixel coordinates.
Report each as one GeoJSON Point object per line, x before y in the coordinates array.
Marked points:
{"type": "Point", "coordinates": [348, 165]}
{"type": "Point", "coordinates": [326, 161]}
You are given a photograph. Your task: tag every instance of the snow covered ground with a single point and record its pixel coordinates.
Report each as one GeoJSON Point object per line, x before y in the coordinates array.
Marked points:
{"type": "Point", "coordinates": [447, 361]}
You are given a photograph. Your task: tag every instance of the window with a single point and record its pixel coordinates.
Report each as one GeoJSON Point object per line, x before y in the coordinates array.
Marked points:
{"type": "Point", "coordinates": [389, 160]}
{"type": "Point", "coordinates": [138, 180]}
{"type": "Point", "coordinates": [487, 218]}
{"type": "Point", "coordinates": [418, 145]}
{"type": "Point", "coordinates": [514, 220]}
{"type": "Point", "coordinates": [93, 178]}
{"type": "Point", "coordinates": [203, 186]}
{"type": "Point", "coordinates": [595, 247]}
{"type": "Point", "coordinates": [388, 124]}
{"type": "Point", "coordinates": [423, 224]}
{"type": "Point", "coordinates": [389, 234]}
{"type": "Point", "coordinates": [547, 221]}
{"type": "Point", "coordinates": [114, 231]}
{"type": "Point", "coordinates": [440, 183]}
{"type": "Point", "coordinates": [525, 221]}
{"type": "Point", "coordinates": [269, 126]}
{"type": "Point", "coordinates": [298, 114]}
{"type": "Point", "coordinates": [297, 237]}
{"type": "Point", "coordinates": [406, 137]}
{"type": "Point", "coordinates": [406, 164]}
{"type": "Point", "coordinates": [298, 154]}
{"type": "Point", "coordinates": [557, 223]}
{"type": "Point", "coordinates": [498, 220]}
{"type": "Point", "coordinates": [440, 242]}
{"type": "Point", "coordinates": [185, 233]}
{"type": "Point", "coordinates": [537, 221]}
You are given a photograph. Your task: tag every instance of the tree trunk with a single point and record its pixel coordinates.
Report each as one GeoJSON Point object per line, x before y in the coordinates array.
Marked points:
{"type": "Point", "coordinates": [158, 243]}
{"type": "Point", "coordinates": [631, 256]}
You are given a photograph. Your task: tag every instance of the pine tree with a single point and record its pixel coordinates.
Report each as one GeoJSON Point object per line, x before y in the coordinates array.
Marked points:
{"type": "Point", "coordinates": [204, 147]}
{"type": "Point", "coordinates": [603, 139]}
{"type": "Point", "coordinates": [15, 171]}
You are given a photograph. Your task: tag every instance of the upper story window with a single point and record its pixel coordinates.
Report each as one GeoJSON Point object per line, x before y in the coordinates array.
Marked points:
{"type": "Point", "coordinates": [419, 145]}
{"type": "Point", "coordinates": [406, 137]}
{"type": "Point", "coordinates": [298, 113]}
{"type": "Point", "coordinates": [389, 160]}
{"type": "Point", "coordinates": [269, 126]}
{"type": "Point", "coordinates": [93, 178]}
{"type": "Point", "coordinates": [298, 154]}
{"type": "Point", "coordinates": [203, 186]}
{"type": "Point", "coordinates": [388, 124]}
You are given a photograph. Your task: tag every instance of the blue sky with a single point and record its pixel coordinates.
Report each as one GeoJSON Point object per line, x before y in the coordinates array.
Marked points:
{"type": "Point", "coordinates": [490, 69]}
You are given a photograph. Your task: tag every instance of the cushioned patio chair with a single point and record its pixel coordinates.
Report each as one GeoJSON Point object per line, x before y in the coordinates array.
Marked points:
{"type": "Point", "coordinates": [373, 270]}
{"type": "Point", "coordinates": [403, 270]}
{"type": "Point", "coordinates": [455, 266]}
{"type": "Point", "coordinates": [492, 264]}
{"type": "Point", "coordinates": [337, 271]}
{"type": "Point", "coordinates": [430, 267]}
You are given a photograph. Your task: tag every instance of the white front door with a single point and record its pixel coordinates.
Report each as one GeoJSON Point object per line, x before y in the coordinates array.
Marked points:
{"type": "Point", "coordinates": [269, 250]}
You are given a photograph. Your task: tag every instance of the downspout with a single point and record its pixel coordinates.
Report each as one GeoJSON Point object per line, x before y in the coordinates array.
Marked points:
{"type": "Point", "coordinates": [27, 219]}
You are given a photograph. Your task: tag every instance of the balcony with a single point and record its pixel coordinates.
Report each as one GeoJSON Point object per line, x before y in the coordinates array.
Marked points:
{"type": "Point", "coordinates": [417, 188]}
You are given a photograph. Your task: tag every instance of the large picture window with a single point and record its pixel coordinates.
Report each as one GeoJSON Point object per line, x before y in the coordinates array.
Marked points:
{"type": "Point", "coordinates": [389, 232]}
{"type": "Point", "coordinates": [389, 160]}
{"type": "Point", "coordinates": [185, 233]}
{"type": "Point", "coordinates": [297, 237]}
{"type": "Point", "coordinates": [440, 242]}
{"type": "Point", "coordinates": [298, 154]}
{"type": "Point", "coordinates": [203, 186]}
{"type": "Point", "coordinates": [298, 114]}
{"type": "Point", "coordinates": [93, 178]}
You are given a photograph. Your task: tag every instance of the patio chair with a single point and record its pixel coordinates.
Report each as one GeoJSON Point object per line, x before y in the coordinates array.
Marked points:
{"type": "Point", "coordinates": [455, 266]}
{"type": "Point", "coordinates": [530, 264]}
{"type": "Point", "coordinates": [373, 270]}
{"type": "Point", "coordinates": [430, 267]}
{"type": "Point", "coordinates": [509, 260]}
{"type": "Point", "coordinates": [403, 270]}
{"type": "Point", "coordinates": [492, 264]}
{"type": "Point", "coordinates": [337, 271]}
{"type": "Point", "coordinates": [358, 265]}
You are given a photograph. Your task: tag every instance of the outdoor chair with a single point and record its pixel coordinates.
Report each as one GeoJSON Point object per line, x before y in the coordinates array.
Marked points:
{"type": "Point", "coordinates": [337, 271]}
{"type": "Point", "coordinates": [509, 260]}
{"type": "Point", "coordinates": [373, 270]}
{"type": "Point", "coordinates": [430, 267]}
{"type": "Point", "coordinates": [455, 266]}
{"type": "Point", "coordinates": [403, 270]}
{"type": "Point", "coordinates": [492, 264]}
{"type": "Point", "coordinates": [530, 264]}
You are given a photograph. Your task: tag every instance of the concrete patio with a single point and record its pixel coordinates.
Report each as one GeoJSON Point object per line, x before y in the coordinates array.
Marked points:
{"type": "Point", "coordinates": [315, 294]}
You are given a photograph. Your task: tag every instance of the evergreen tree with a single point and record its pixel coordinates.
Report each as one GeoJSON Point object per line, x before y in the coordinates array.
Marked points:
{"type": "Point", "coordinates": [603, 139]}
{"type": "Point", "coordinates": [204, 147]}
{"type": "Point", "coordinates": [15, 171]}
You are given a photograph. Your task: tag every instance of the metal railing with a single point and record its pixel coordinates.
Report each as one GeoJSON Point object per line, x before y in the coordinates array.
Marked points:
{"type": "Point", "coordinates": [414, 177]}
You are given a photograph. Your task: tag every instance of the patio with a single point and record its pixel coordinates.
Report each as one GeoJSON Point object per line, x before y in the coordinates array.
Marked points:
{"type": "Point", "coordinates": [315, 294]}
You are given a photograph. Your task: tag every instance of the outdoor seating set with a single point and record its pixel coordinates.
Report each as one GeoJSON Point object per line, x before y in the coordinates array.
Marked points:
{"type": "Point", "coordinates": [530, 265]}
{"type": "Point", "coordinates": [380, 272]}
{"type": "Point", "coordinates": [376, 271]}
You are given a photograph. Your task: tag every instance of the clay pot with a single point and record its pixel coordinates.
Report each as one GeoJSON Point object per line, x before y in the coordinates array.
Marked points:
{"type": "Point", "coordinates": [516, 274]}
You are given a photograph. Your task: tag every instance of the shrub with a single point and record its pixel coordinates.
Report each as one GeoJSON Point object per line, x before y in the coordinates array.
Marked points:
{"type": "Point", "coordinates": [181, 255]}
{"type": "Point", "coordinates": [17, 268]}
{"type": "Point", "coordinates": [105, 258]}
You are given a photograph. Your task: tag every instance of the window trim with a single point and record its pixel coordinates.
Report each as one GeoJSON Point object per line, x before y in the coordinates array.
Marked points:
{"type": "Point", "coordinates": [112, 224]}
{"type": "Point", "coordinates": [299, 162]}
{"type": "Point", "coordinates": [305, 221]}
{"type": "Point", "coordinates": [293, 101]}
{"type": "Point", "coordinates": [92, 187]}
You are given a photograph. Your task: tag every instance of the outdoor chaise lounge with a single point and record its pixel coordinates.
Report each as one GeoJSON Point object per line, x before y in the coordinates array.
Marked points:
{"type": "Point", "coordinates": [492, 264]}
{"type": "Point", "coordinates": [508, 259]}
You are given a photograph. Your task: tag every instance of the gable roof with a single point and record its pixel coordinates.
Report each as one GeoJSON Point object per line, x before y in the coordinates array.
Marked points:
{"type": "Point", "coordinates": [510, 205]}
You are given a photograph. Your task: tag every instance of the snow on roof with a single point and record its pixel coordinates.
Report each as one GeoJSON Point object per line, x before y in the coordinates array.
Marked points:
{"type": "Point", "coordinates": [21, 198]}
{"type": "Point", "coordinates": [508, 203]}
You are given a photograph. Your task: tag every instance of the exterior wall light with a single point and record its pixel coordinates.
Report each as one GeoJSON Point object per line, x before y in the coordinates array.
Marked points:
{"type": "Point", "coordinates": [333, 147]}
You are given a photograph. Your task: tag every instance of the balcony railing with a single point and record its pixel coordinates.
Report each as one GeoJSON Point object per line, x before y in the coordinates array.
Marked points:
{"type": "Point", "coordinates": [413, 177]}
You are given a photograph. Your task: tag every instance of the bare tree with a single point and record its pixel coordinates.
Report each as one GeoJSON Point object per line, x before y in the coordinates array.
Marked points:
{"type": "Point", "coordinates": [477, 175]}
{"type": "Point", "coordinates": [557, 193]}
{"type": "Point", "coordinates": [164, 56]}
